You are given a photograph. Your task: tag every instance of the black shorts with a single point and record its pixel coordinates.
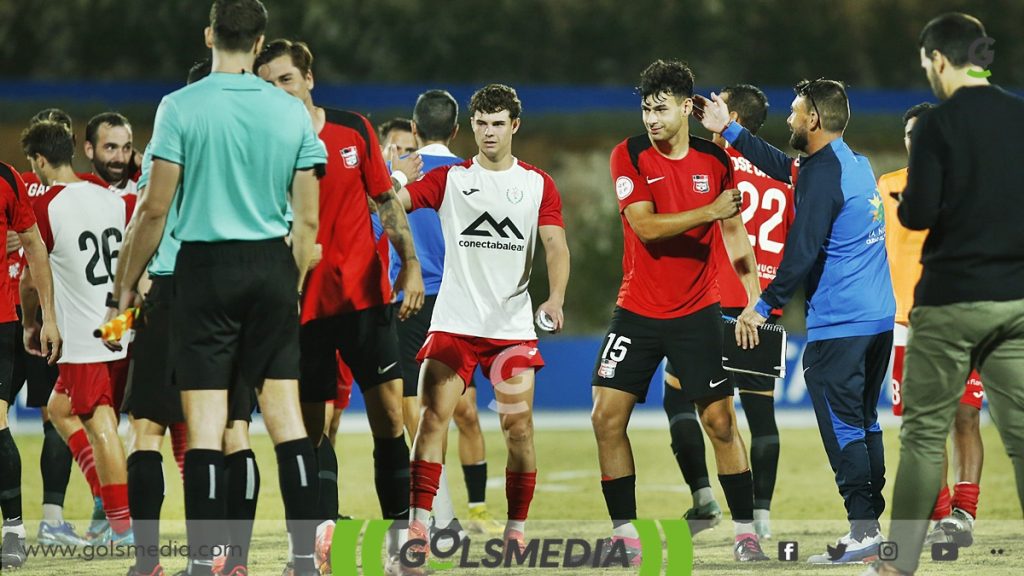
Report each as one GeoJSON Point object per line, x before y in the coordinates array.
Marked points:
{"type": "Point", "coordinates": [235, 315]}
{"type": "Point", "coordinates": [368, 343]}
{"type": "Point", "coordinates": [741, 380]}
{"type": "Point", "coordinates": [8, 348]}
{"type": "Point", "coordinates": [635, 345]}
{"type": "Point", "coordinates": [33, 370]}
{"type": "Point", "coordinates": [412, 333]}
{"type": "Point", "coordinates": [150, 392]}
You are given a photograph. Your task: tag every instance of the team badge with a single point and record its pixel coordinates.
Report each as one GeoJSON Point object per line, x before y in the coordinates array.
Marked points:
{"type": "Point", "coordinates": [607, 369]}
{"type": "Point", "coordinates": [351, 156]}
{"type": "Point", "coordinates": [514, 195]}
{"type": "Point", "coordinates": [701, 184]}
{"type": "Point", "coordinates": [623, 187]}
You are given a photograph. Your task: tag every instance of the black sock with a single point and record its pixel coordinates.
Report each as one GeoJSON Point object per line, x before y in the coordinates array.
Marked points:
{"type": "Point", "coordinates": [739, 494]}
{"type": "Point", "coordinates": [297, 473]}
{"type": "Point", "coordinates": [476, 482]}
{"type": "Point", "coordinates": [145, 498]}
{"type": "Point", "coordinates": [241, 490]}
{"type": "Point", "coordinates": [55, 465]}
{"type": "Point", "coordinates": [327, 462]}
{"type": "Point", "coordinates": [620, 497]}
{"type": "Point", "coordinates": [687, 439]}
{"type": "Point", "coordinates": [204, 506]}
{"type": "Point", "coordinates": [764, 446]}
{"type": "Point", "coordinates": [391, 476]}
{"type": "Point", "coordinates": [10, 477]}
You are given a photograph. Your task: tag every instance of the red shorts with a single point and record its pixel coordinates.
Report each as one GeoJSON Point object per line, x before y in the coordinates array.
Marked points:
{"type": "Point", "coordinates": [92, 385]}
{"type": "Point", "coordinates": [974, 393]}
{"type": "Point", "coordinates": [344, 385]}
{"type": "Point", "coordinates": [499, 359]}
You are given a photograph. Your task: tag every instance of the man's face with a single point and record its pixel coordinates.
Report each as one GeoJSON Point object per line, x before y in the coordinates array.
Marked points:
{"type": "Point", "coordinates": [931, 71]}
{"type": "Point", "coordinates": [718, 138]}
{"type": "Point", "coordinates": [493, 133]}
{"type": "Point", "coordinates": [404, 140]}
{"type": "Point", "coordinates": [799, 122]}
{"type": "Point", "coordinates": [283, 73]}
{"type": "Point", "coordinates": [664, 115]}
{"type": "Point", "coordinates": [907, 130]}
{"type": "Point", "coordinates": [111, 153]}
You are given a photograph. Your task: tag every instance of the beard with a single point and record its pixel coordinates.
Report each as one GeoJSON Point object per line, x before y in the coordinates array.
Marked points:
{"type": "Point", "coordinates": [111, 172]}
{"type": "Point", "coordinates": [936, 84]}
{"type": "Point", "coordinates": [798, 140]}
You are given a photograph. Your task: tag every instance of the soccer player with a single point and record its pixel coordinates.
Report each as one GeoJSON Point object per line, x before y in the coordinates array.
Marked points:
{"type": "Point", "coordinates": [82, 225]}
{"type": "Point", "coordinates": [964, 187]}
{"type": "Point", "coordinates": [837, 248]}
{"type": "Point", "coordinates": [16, 215]}
{"type": "Point", "coordinates": [343, 305]}
{"type": "Point", "coordinates": [954, 513]}
{"type": "Point", "coordinates": [673, 189]}
{"type": "Point", "coordinates": [108, 146]}
{"type": "Point", "coordinates": [397, 138]}
{"type": "Point", "coordinates": [237, 172]}
{"type": "Point", "coordinates": [492, 209]}
{"type": "Point", "coordinates": [767, 215]}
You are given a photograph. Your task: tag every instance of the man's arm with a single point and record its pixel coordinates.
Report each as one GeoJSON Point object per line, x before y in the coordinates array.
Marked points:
{"type": "Point", "coordinates": [29, 313]}
{"type": "Point", "coordinates": [741, 254]}
{"type": "Point", "coordinates": [772, 161]}
{"type": "Point", "coordinates": [306, 211]}
{"type": "Point", "coordinates": [410, 280]}
{"type": "Point", "coordinates": [922, 200]}
{"type": "Point", "coordinates": [556, 251]}
{"type": "Point", "coordinates": [36, 256]}
{"type": "Point", "coordinates": [651, 226]}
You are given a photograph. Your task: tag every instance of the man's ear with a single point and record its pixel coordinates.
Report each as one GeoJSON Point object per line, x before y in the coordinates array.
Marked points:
{"type": "Point", "coordinates": [515, 125]}
{"type": "Point", "coordinates": [208, 36]}
{"type": "Point", "coordinates": [687, 106]}
{"type": "Point", "coordinates": [258, 47]}
{"type": "Point", "coordinates": [309, 78]}
{"type": "Point", "coordinates": [89, 150]}
{"type": "Point", "coordinates": [734, 117]}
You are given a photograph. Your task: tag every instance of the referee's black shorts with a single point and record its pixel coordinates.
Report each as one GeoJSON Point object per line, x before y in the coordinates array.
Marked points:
{"type": "Point", "coordinates": [236, 315]}
{"type": "Point", "coordinates": [150, 392]}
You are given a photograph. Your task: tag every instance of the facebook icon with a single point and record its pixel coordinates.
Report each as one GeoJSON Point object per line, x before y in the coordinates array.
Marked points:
{"type": "Point", "coordinates": [789, 551]}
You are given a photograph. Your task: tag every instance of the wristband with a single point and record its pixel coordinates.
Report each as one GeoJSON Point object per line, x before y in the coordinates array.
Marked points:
{"type": "Point", "coordinates": [400, 177]}
{"type": "Point", "coordinates": [112, 302]}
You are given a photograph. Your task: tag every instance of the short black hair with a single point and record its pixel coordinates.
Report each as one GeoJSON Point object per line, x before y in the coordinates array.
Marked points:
{"type": "Point", "coordinates": [302, 56]}
{"type": "Point", "coordinates": [494, 98]}
{"type": "Point", "coordinates": [749, 103]}
{"type": "Point", "coordinates": [199, 71]}
{"type": "Point", "coordinates": [952, 34]}
{"type": "Point", "coordinates": [50, 139]}
{"type": "Point", "coordinates": [829, 96]}
{"type": "Point", "coordinates": [436, 115]}
{"type": "Point", "coordinates": [237, 24]}
{"type": "Point", "coordinates": [670, 76]}
{"type": "Point", "coordinates": [111, 118]}
{"type": "Point", "coordinates": [400, 124]}
{"type": "Point", "coordinates": [52, 115]}
{"type": "Point", "coordinates": [916, 110]}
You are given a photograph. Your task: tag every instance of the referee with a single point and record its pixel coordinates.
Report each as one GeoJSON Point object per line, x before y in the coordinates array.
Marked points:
{"type": "Point", "coordinates": [966, 187]}
{"type": "Point", "coordinates": [235, 307]}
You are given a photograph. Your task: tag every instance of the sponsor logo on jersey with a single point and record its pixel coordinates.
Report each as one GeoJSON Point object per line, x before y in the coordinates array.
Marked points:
{"type": "Point", "coordinates": [36, 189]}
{"type": "Point", "coordinates": [623, 187]}
{"type": "Point", "coordinates": [701, 183]}
{"type": "Point", "coordinates": [487, 227]}
{"type": "Point", "coordinates": [607, 369]}
{"type": "Point", "coordinates": [351, 156]}
{"type": "Point", "coordinates": [877, 212]}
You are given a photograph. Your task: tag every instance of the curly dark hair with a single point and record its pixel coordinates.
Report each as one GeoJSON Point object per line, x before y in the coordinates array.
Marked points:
{"type": "Point", "coordinates": [50, 139]}
{"type": "Point", "coordinates": [494, 98]}
{"type": "Point", "coordinates": [669, 76]}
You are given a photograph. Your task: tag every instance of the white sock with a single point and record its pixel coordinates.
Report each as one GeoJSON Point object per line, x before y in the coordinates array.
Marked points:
{"type": "Point", "coordinates": [760, 514]}
{"type": "Point", "coordinates": [444, 509]}
{"type": "Point", "coordinates": [703, 496]}
{"type": "Point", "coordinates": [18, 528]}
{"type": "Point", "coordinates": [421, 515]}
{"type": "Point", "coordinates": [626, 530]}
{"type": "Point", "coordinates": [517, 525]}
{"type": "Point", "coordinates": [53, 514]}
{"type": "Point", "coordinates": [743, 528]}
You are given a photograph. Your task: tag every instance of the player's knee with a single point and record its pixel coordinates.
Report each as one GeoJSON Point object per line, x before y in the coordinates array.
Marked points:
{"type": "Point", "coordinates": [518, 430]}
{"type": "Point", "coordinates": [719, 426]}
{"type": "Point", "coordinates": [607, 423]}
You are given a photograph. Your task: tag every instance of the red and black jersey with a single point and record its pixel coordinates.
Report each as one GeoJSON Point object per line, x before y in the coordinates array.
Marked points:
{"type": "Point", "coordinates": [676, 276]}
{"type": "Point", "coordinates": [350, 276]}
{"type": "Point", "coordinates": [15, 214]}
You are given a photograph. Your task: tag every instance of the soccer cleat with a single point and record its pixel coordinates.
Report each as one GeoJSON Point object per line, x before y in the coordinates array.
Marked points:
{"type": "Point", "coordinates": [958, 527]}
{"type": "Point", "coordinates": [60, 535]}
{"type": "Point", "coordinates": [99, 523]}
{"type": "Point", "coordinates": [322, 548]}
{"type": "Point", "coordinates": [12, 554]}
{"type": "Point", "coordinates": [447, 543]}
{"type": "Point", "coordinates": [126, 538]}
{"type": "Point", "coordinates": [289, 570]}
{"type": "Point", "coordinates": [237, 571]}
{"type": "Point", "coordinates": [936, 536]}
{"type": "Point", "coordinates": [748, 549]}
{"type": "Point", "coordinates": [850, 551]}
{"type": "Point", "coordinates": [515, 538]}
{"type": "Point", "coordinates": [878, 568]}
{"type": "Point", "coordinates": [158, 571]}
{"type": "Point", "coordinates": [631, 546]}
{"type": "Point", "coordinates": [701, 518]}
{"type": "Point", "coordinates": [481, 522]}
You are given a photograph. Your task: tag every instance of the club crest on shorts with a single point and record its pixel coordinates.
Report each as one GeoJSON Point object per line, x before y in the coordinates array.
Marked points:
{"type": "Point", "coordinates": [701, 183]}
{"type": "Point", "coordinates": [351, 156]}
{"type": "Point", "coordinates": [607, 369]}
{"type": "Point", "coordinates": [514, 195]}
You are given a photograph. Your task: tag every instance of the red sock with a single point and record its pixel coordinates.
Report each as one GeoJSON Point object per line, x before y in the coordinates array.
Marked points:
{"type": "Point", "coordinates": [943, 505]}
{"type": "Point", "coordinates": [966, 497]}
{"type": "Point", "coordinates": [519, 488]}
{"type": "Point", "coordinates": [179, 444]}
{"type": "Point", "coordinates": [78, 443]}
{"type": "Point", "coordinates": [426, 477]}
{"type": "Point", "coordinates": [115, 504]}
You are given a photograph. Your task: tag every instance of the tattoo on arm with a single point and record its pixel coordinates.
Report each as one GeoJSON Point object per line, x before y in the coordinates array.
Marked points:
{"type": "Point", "coordinates": [392, 216]}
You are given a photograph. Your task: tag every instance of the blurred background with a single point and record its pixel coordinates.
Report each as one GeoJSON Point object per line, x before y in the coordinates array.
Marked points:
{"type": "Point", "coordinates": [574, 63]}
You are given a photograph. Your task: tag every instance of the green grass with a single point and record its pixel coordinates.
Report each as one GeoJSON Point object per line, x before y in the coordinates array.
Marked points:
{"type": "Point", "coordinates": [806, 507]}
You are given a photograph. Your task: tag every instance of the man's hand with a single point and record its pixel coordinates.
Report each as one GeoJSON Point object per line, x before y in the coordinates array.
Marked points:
{"type": "Point", "coordinates": [13, 241]}
{"type": "Point", "coordinates": [317, 256]}
{"type": "Point", "coordinates": [746, 328]}
{"type": "Point", "coordinates": [112, 345]}
{"type": "Point", "coordinates": [713, 114]}
{"type": "Point", "coordinates": [411, 165]}
{"type": "Point", "coordinates": [410, 283]}
{"type": "Point", "coordinates": [50, 343]}
{"type": "Point", "coordinates": [31, 335]}
{"type": "Point", "coordinates": [554, 311]}
{"type": "Point", "coordinates": [727, 204]}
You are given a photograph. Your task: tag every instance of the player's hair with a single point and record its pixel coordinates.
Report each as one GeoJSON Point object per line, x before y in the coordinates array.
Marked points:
{"type": "Point", "coordinates": [670, 76]}
{"type": "Point", "coordinates": [110, 118]}
{"type": "Point", "coordinates": [494, 98]}
{"type": "Point", "coordinates": [952, 35]}
{"type": "Point", "coordinates": [400, 124]}
{"type": "Point", "coordinates": [436, 114]}
{"type": "Point", "coordinates": [829, 96]}
{"type": "Point", "coordinates": [237, 24]}
{"type": "Point", "coordinates": [300, 53]}
{"type": "Point", "coordinates": [199, 70]}
{"type": "Point", "coordinates": [749, 103]}
{"type": "Point", "coordinates": [916, 110]}
{"type": "Point", "coordinates": [51, 139]}
{"type": "Point", "coordinates": [52, 115]}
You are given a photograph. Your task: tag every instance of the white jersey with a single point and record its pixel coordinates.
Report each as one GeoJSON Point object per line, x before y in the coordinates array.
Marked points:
{"type": "Point", "coordinates": [83, 226]}
{"type": "Point", "coordinates": [489, 220]}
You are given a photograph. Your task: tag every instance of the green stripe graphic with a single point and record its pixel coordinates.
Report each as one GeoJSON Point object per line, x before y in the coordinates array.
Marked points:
{"type": "Point", "coordinates": [373, 542]}
{"type": "Point", "coordinates": [650, 545]}
{"type": "Point", "coordinates": [343, 547]}
{"type": "Point", "coordinates": [680, 547]}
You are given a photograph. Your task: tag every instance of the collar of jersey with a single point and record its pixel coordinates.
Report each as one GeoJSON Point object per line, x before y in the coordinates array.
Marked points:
{"type": "Point", "coordinates": [435, 150]}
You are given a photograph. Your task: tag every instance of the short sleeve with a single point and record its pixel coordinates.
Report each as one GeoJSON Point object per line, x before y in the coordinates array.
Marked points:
{"type": "Point", "coordinates": [147, 167]}
{"type": "Point", "coordinates": [21, 217]}
{"type": "Point", "coordinates": [630, 187]}
{"type": "Point", "coordinates": [550, 205]}
{"type": "Point", "coordinates": [728, 177]}
{"type": "Point", "coordinates": [42, 213]}
{"type": "Point", "coordinates": [428, 192]}
{"type": "Point", "coordinates": [375, 170]}
{"type": "Point", "coordinates": [130, 201]}
{"type": "Point", "coordinates": [312, 151]}
{"type": "Point", "coordinates": [167, 142]}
